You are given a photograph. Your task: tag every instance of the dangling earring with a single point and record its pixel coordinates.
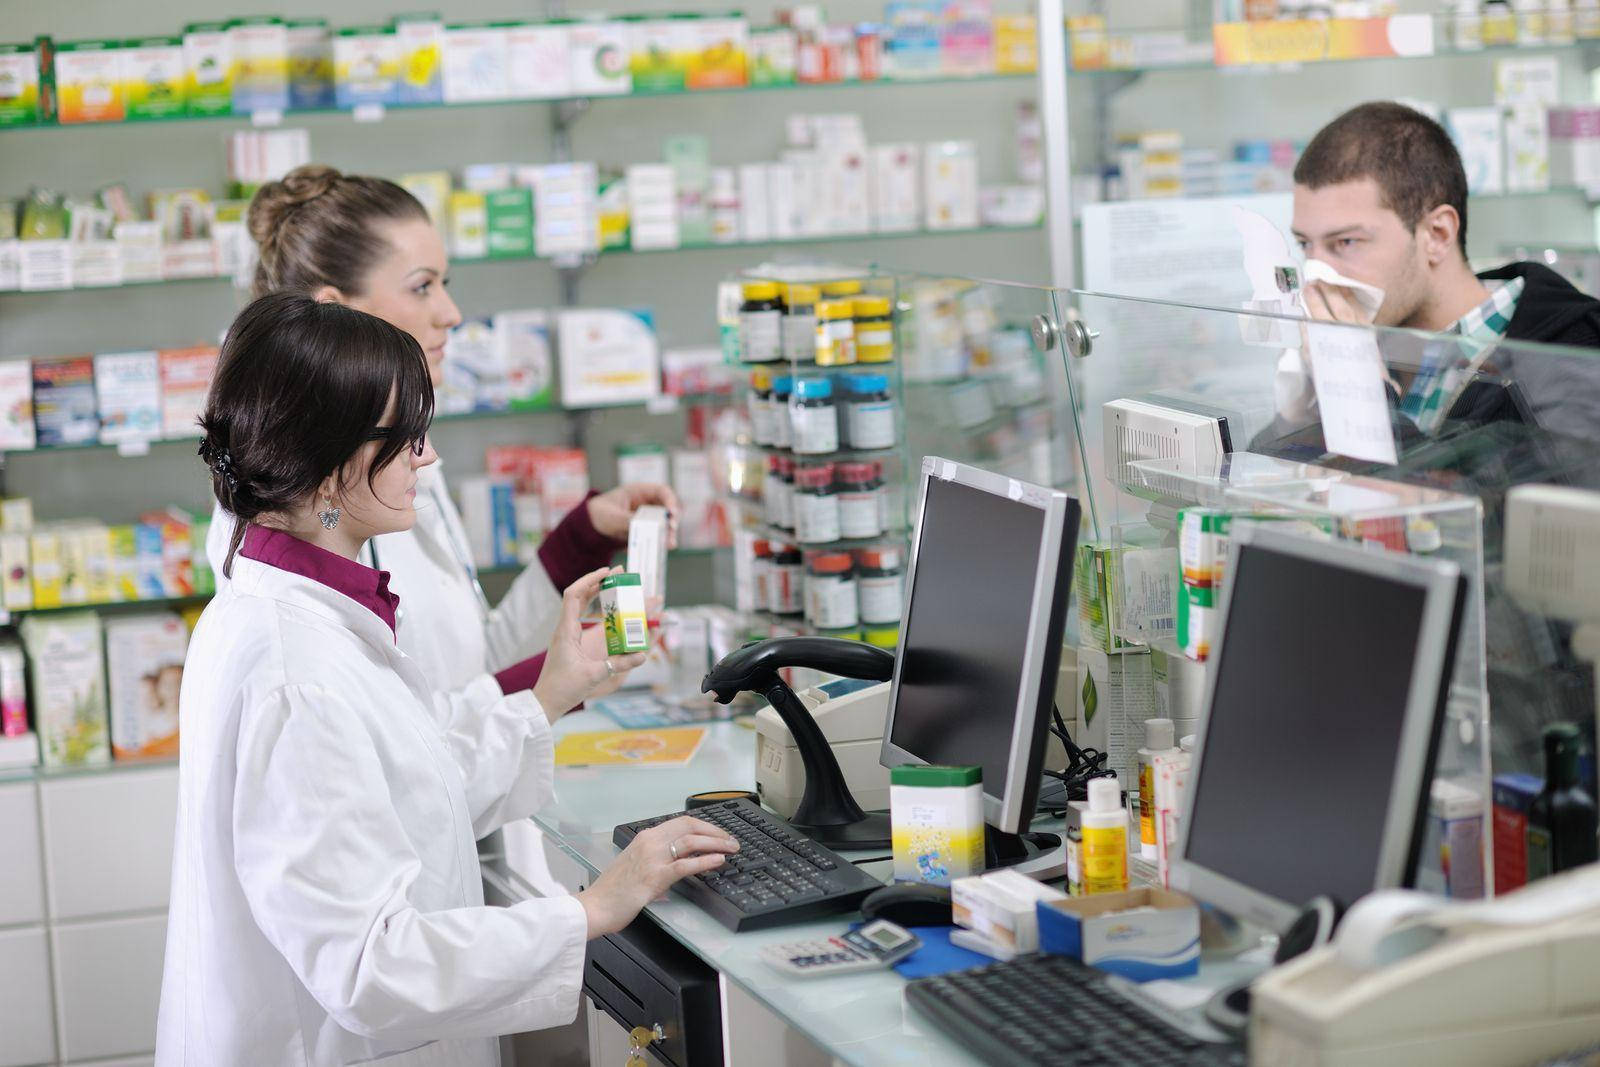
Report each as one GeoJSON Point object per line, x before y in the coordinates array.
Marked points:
{"type": "Point", "coordinates": [329, 516]}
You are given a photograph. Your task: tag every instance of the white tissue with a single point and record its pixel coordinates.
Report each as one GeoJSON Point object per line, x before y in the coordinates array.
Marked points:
{"type": "Point", "coordinates": [1292, 387]}
{"type": "Point", "coordinates": [1369, 298]}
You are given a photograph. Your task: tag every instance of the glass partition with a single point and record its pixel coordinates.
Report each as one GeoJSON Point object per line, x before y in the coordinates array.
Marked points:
{"type": "Point", "coordinates": [1191, 418]}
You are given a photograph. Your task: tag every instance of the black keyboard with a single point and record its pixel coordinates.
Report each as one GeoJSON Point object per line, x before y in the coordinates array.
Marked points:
{"type": "Point", "coordinates": [1055, 1010]}
{"type": "Point", "coordinates": [778, 876]}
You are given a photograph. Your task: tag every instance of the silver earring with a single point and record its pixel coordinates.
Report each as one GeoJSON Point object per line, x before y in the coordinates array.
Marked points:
{"type": "Point", "coordinates": [329, 516]}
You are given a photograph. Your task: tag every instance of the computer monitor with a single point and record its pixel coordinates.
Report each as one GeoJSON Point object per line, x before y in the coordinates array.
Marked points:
{"type": "Point", "coordinates": [1324, 699]}
{"type": "Point", "coordinates": [987, 592]}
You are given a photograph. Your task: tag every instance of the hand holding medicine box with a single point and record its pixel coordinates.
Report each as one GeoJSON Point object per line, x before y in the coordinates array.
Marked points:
{"type": "Point", "coordinates": [622, 612]}
{"type": "Point", "coordinates": [1143, 934]}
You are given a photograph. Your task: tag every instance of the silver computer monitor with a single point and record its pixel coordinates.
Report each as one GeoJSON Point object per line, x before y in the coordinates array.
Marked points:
{"type": "Point", "coordinates": [1324, 697]}
{"type": "Point", "coordinates": [987, 593]}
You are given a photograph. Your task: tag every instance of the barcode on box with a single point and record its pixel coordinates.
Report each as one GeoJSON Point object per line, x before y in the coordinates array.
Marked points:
{"type": "Point", "coordinates": [633, 631]}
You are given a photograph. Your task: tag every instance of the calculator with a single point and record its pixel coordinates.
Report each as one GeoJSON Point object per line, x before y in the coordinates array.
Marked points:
{"type": "Point", "coordinates": [877, 944]}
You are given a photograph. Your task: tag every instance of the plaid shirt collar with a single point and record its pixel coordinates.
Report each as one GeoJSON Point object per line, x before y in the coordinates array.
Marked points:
{"type": "Point", "coordinates": [1448, 368]}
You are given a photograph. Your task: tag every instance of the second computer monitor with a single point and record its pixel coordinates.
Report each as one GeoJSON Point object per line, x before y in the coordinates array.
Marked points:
{"type": "Point", "coordinates": [987, 594]}
{"type": "Point", "coordinates": [1325, 693]}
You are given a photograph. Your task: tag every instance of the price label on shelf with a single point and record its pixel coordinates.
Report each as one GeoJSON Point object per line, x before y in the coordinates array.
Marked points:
{"type": "Point", "coordinates": [269, 116]}
{"type": "Point", "coordinates": [368, 113]}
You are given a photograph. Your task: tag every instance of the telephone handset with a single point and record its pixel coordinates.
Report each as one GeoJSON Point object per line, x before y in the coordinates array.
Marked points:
{"type": "Point", "coordinates": [1411, 978]}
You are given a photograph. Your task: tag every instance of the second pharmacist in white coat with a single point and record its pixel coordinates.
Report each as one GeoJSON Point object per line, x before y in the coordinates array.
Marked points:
{"type": "Point", "coordinates": [367, 243]}
{"type": "Point", "coordinates": [327, 903]}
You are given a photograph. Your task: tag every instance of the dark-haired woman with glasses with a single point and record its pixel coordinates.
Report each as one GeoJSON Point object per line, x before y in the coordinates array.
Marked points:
{"type": "Point", "coordinates": [327, 904]}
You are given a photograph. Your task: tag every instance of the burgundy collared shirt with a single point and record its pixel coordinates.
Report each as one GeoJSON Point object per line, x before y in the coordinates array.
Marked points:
{"type": "Point", "coordinates": [363, 584]}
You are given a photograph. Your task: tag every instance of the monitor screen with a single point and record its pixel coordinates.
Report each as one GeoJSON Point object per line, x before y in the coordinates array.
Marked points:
{"type": "Point", "coordinates": [966, 629]}
{"type": "Point", "coordinates": [1305, 727]}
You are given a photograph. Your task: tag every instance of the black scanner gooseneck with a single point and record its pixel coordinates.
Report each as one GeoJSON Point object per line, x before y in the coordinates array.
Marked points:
{"type": "Point", "coordinates": [828, 814]}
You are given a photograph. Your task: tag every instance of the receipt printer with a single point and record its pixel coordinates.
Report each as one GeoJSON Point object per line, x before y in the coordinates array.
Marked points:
{"type": "Point", "coordinates": [851, 714]}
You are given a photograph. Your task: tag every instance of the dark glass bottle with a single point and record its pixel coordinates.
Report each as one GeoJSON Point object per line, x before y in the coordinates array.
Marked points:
{"type": "Point", "coordinates": [1561, 819]}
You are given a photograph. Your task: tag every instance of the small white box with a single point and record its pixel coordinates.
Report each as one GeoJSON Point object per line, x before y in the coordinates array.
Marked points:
{"type": "Point", "coordinates": [45, 265]}
{"type": "Point", "coordinates": [144, 671]}
{"type": "Point", "coordinates": [951, 185]}
{"type": "Point", "coordinates": [476, 64]}
{"type": "Point", "coordinates": [537, 58]}
{"type": "Point", "coordinates": [896, 188]}
{"type": "Point", "coordinates": [783, 202]}
{"type": "Point", "coordinates": [1521, 82]}
{"type": "Point", "coordinates": [1527, 150]}
{"type": "Point", "coordinates": [647, 550]}
{"type": "Point", "coordinates": [1002, 907]}
{"type": "Point", "coordinates": [1479, 137]}
{"type": "Point", "coordinates": [598, 56]}
{"type": "Point", "coordinates": [755, 210]}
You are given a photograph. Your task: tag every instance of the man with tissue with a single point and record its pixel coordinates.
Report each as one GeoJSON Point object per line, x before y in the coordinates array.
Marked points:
{"type": "Point", "coordinates": [1380, 211]}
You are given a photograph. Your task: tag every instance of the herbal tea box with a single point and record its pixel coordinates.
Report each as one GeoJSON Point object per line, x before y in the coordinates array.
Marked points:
{"type": "Point", "coordinates": [622, 609]}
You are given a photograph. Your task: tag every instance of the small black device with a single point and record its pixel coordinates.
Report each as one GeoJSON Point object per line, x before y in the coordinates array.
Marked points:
{"type": "Point", "coordinates": [910, 904]}
{"type": "Point", "coordinates": [1055, 1010]}
{"type": "Point", "coordinates": [827, 812]}
{"type": "Point", "coordinates": [779, 875]}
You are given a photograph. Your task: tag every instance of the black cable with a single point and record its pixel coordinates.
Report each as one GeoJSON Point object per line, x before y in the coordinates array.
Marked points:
{"type": "Point", "coordinates": [1083, 764]}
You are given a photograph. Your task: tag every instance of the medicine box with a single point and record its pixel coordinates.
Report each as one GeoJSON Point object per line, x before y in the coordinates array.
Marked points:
{"type": "Point", "coordinates": [526, 358]}
{"type": "Point", "coordinates": [64, 410]}
{"type": "Point", "coordinates": [144, 668]}
{"type": "Point", "coordinates": [1575, 145]}
{"type": "Point", "coordinates": [659, 52]}
{"type": "Point", "coordinates": [510, 222]}
{"type": "Point", "coordinates": [420, 41]}
{"type": "Point", "coordinates": [598, 57]}
{"type": "Point", "coordinates": [185, 380]}
{"type": "Point", "coordinates": [770, 56]}
{"type": "Point", "coordinates": [16, 572]}
{"type": "Point", "coordinates": [16, 405]}
{"type": "Point", "coordinates": [1116, 694]}
{"type": "Point", "coordinates": [1479, 136]}
{"type": "Point", "coordinates": [1513, 796]}
{"type": "Point", "coordinates": [1142, 934]}
{"type": "Point", "coordinates": [469, 225]}
{"type": "Point", "coordinates": [260, 47]}
{"type": "Point", "coordinates": [88, 82]}
{"type": "Point", "coordinates": [476, 63]}
{"type": "Point", "coordinates": [310, 64]}
{"type": "Point", "coordinates": [1527, 150]}
{"type": "Point", "coordinates": [19, 85]}
{"type": "Point", "coordinates": [1452, 850]}
{"type": "Point", "coordinates": [153, 78]}
{"type": "Point", "coordinates": [208, 68]}
{"type": "Point", "coordinates": [642, 463]}
{"type": "Point", "coordinates": [366, 66]}
{"type": "Point", "coordinates": [622, 612]}
{"type": "Point", "coordinates": [490, 519]}
{"type": "Point", "coordinates": [537, 62]}
{"type": "Point", "coordinates": [716, 53]}
{"type": "Point", "coordinates": [129, 388]}
{"type": "Point", "coordinates": [936, 820]}
{"type": "Point", "coordinates": [66, 677]}
{"type": "Point", "coordinates": [1002, 906]}
{"type": "Point", "coordinates": [647, 550]}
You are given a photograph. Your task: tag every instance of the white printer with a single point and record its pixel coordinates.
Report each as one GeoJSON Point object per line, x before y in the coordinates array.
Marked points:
{"type": "Point", "coordinates": [851, 714]}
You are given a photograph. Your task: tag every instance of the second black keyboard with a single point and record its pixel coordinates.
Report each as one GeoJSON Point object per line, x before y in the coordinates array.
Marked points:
{"type": "Point", "coordinates": [779, 875]}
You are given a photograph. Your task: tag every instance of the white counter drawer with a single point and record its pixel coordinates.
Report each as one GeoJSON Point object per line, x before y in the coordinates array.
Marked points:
{"type": "Point", "coordinates": [29, 1033]}
{"type": "Point", "coordinates": [108, 841]}
{"type": "Point", "coordinates": [22, 873]}
{"type": "Point", "coordinates": [108, 986]}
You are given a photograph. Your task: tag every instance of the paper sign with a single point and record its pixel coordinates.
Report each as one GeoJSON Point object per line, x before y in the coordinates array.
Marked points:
{"type": "Point", "coordinates": [1314, 40]}
{"type": "Point", "coordinates": [672, 747]}
{"type": "Point", "coordinates": [1347, 370]}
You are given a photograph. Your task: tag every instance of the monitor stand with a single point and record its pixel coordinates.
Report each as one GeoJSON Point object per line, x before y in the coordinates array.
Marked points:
{"type": "Point", "coordinates": [1042, 857]}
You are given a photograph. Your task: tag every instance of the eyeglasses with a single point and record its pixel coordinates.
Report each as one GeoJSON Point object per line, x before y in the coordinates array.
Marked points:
{"type": "Point", "coordinates": [383, 433]}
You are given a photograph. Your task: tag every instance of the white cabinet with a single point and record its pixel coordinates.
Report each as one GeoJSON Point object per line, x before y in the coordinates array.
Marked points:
{"type": "Point", "coordinates": [108, 841]}
{"type": "Point", "coordinates": [108, 986]}
{"type": "Point", "coordinates": [21, 873]}
{"type": "Point", "coordinates": [28, 1035]}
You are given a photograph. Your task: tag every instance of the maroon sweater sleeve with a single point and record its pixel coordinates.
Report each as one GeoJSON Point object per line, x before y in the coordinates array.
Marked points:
{"type": "Point", "coordinates": [575, 547]}
{"type": "Point", "coordinates": [520, 676]}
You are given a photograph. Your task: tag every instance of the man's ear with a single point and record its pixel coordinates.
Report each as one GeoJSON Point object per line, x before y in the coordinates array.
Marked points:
{"type": "Point", "coordinates": [1439, 231]}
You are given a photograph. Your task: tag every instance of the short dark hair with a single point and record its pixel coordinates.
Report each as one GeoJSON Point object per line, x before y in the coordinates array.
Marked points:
{"type": "Point", "coordinates": [300, 387]}
{"type": "Point", "coordinates": [1409, 156]}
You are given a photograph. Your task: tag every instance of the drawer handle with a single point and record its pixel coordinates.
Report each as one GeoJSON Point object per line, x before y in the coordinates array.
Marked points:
{"type": "Point", "coordinates": [641, 1038]}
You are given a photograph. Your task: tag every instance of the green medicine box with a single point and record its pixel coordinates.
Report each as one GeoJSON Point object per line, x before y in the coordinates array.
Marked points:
{"type": "Point", "coordinates": [510, 223]}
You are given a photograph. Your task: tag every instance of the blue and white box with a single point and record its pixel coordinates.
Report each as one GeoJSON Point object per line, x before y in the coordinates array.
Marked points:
{"type": "Point", "coordinates": [1142, 934]}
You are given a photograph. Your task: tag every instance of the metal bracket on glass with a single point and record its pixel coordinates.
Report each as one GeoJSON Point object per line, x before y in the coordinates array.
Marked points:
{"type": "Point", "coordinates": [1075, 336]}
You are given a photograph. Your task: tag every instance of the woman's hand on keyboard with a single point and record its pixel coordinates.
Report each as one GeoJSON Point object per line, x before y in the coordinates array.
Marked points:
{"type": "Point", "coordinates": [646, 869]}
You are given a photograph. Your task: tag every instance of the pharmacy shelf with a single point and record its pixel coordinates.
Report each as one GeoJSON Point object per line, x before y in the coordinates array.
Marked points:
{"type": "Point", "coordinates": [161, 603]}
{"type": "Point", "coordinates": [378, 113]}
{"type": "Point", "coordinates": [40, 774]}
{"type": "Point", "coordinates": [1444, 48]}
{"type": "Point", "coordinates": [143, 447]}
{"type": "Point", "coordinates": [841, 455]}
{"type": "Point", "coordinates": [819, 239]}
{"type": "Point", "coordinates": [782, 536]}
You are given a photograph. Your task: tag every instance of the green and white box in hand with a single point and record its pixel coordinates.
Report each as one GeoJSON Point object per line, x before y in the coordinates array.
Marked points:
{"type": "Point", "coordinates": [622, 610]}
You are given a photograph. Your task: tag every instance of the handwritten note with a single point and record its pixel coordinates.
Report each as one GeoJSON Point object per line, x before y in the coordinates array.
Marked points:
{"type": "Point", "coordinates": [1347, 370]}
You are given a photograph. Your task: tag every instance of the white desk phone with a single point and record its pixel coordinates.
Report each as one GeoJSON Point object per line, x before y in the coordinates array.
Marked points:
{"type": "Point", "coordinates": [1412, 979]}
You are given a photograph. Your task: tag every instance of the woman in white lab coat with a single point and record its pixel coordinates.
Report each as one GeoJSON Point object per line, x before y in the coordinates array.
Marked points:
{"type": "Point", "coordinates": [326, 904]}
{"type": "Point", "coordinates": [368, 243]}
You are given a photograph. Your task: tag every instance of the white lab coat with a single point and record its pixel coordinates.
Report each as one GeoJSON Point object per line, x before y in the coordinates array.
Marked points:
{"type": "Point", "coordinates": [327, 906]}
{"type": "Point", "coordinates": [444, 627]}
